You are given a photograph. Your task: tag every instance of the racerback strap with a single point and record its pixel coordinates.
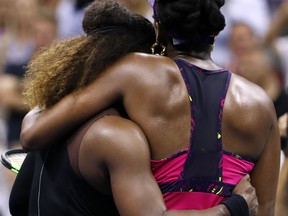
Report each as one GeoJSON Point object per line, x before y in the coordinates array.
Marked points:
{"type": "Point", "coordinates": [207, 91]}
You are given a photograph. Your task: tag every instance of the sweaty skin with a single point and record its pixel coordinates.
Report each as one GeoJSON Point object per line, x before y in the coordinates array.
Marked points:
{"type": "Point", "coordinates": [127, 159]}
{"type": "Point", "coordinates": [114, 158]}
{"type": "Point", "coordinates": [155, 97]}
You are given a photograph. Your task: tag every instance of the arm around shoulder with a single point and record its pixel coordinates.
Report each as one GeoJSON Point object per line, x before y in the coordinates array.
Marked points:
{"type": "Point", "coordinates": [127, 160]}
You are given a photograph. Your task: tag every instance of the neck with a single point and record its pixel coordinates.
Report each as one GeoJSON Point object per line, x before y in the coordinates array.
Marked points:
{"type": "Point", "coordinates": [202, 52]}
{"type": "Point", "coordinates": [200, 59]}
{"type": "Point", "coordinates": [198, 55]}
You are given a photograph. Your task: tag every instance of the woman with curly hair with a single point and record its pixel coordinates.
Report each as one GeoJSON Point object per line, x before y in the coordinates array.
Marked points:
{"type": "Point", "coordinates": [206, 127]}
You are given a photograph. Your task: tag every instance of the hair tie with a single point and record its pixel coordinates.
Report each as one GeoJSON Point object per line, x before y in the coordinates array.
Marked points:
{"type": "Point", "coordinates": [104, 30]}
{"type": "Point", "coordinates": [195, 40]}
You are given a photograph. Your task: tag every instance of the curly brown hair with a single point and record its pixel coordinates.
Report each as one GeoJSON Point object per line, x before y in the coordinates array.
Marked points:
{"type": "Point", "coordinates": [68, 65]}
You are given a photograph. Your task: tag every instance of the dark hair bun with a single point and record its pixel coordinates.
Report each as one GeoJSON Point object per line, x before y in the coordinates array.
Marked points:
{"type": "Point", "coordinates": [102, 14]}
{"type": "Point", "coordinates": [191, 17]}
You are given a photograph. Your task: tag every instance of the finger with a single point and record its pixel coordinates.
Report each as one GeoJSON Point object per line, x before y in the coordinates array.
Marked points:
{"type": "Point", "coordinates": [247, 178]}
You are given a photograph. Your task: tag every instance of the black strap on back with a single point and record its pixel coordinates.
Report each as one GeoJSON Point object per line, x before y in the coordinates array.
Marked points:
{"type": "Point", "coordinates": [207, 90]}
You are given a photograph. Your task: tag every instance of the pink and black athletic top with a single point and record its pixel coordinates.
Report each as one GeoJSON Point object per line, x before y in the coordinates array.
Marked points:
{"type": "Point", "coordinates": [202, 175]}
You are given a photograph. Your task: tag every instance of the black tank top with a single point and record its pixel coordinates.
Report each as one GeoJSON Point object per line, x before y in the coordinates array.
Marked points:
{"type": "Point", "coordinates": [58, 190]}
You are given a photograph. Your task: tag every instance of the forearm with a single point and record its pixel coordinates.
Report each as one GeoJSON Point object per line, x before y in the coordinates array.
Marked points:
{"type": "Point", "coordinates": [278, 24]}
{"type": "Point", "coordinates": [41, 128]}
{"type": "Point", "coordinates": [69, 113]}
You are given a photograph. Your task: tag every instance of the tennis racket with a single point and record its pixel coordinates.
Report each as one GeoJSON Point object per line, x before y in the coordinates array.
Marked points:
{"type": "Point", "coordinates": [13, 159]}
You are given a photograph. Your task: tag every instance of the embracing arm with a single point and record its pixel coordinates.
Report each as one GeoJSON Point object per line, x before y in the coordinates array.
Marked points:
{"type": "Point", "coordinates": [131, 81]}
{"type": "Point", "coordinates": [124, 82]}
{"type": "Point", "coordinates": [134, 188]}
{"type": "Point", "coordinates": [243, 188]}
{"type": "Point", "coordinates": [41, 129]}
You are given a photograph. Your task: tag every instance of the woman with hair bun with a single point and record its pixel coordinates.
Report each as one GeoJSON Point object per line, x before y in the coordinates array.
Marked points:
{"type": "Point", "coordinates": [206, 127]}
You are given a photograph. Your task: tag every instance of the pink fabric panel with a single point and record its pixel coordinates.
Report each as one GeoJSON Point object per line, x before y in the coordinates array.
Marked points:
{"type": "Point", "coordinates": [234, 169]}
{"type": "Point", "coordinates": [168, 169]}
{"type": "Point", "coordinates": [191, 200]}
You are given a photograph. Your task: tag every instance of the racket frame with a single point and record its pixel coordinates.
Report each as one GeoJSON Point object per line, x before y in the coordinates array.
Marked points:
{"type": "Point", "coordinates": [5, 159]}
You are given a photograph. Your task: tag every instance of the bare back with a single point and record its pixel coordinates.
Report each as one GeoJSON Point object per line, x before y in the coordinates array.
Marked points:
{"type": "Point", "coordinates": [249, 126]}
{"type": "Point", "coordinates": [163, 109]}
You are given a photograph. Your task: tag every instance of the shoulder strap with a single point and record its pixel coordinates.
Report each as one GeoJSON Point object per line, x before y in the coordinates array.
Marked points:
{"type": "Point", "coordinates": [75, 140]}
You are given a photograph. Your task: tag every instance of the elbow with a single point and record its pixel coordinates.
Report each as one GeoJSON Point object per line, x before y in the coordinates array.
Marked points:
{"type": "Point", "coordinates": [28, 141]}
{"type": "Point", "coordinates": [28, 135]}
{"type": "Point", "coordinates": [25, 141]}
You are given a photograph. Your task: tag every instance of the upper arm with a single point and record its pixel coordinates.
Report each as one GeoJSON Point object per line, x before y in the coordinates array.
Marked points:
{"type": "Point", "coordinates": [255, 134]}
{"type": "Point", "coordinates": [134, 188]}
{"type": "Point", "coordinates": [122, 149]}
{"type": "Point", "coordinates": [266, 172]}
